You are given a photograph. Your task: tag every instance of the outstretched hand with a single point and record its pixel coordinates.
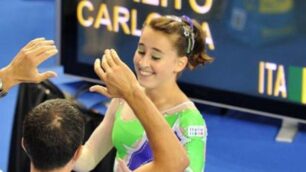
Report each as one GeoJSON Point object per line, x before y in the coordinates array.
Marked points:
{"type": "Point", "coordinates": [120, 81]}
{"type": "Point", "coordinates": [23, 68]}
{"type": "Point", "coordinates": [122, 167]}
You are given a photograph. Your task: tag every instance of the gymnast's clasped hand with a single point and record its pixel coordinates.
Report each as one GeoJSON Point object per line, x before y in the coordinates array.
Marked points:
{"type": "Point", "coordinates": [120, 81]}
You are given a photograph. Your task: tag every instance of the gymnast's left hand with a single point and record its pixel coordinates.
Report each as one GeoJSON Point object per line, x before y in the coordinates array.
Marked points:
{"type": "Point", "coordinates": [119, 80]}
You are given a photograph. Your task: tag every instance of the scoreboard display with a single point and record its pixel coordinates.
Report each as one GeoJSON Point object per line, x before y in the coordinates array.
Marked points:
{"type": "Point", "coordinates": [258, 46]}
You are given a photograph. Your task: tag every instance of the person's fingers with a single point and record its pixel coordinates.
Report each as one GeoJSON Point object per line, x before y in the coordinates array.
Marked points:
{"type": "Point", "coordinates": [45, 75]}
{"type": "Point", "coordinates": [100, 89]}
{"type": "Point", "coordinates": [33, 42]}
{"type": "Point", "coordinates": [104, 63]}
{"type": "Point", "coordinates": [98, 69]}
{"type": "Point", "coordinates": [119, 168]}
{"type": "Point", "coordinates": [45, 53]}
{"type": "Point", "coordinates": [115, 56]}
{"type": "Point", "coordinates": [40, 51]}
{"type": "Point", "coordinates": [38, 44]}
{"type": "Point", "coordinates": [123, 166]}
{"type": "Point", "coordinates": [109, 58]}
{"type": "Point", "coordinates": [47, 42]}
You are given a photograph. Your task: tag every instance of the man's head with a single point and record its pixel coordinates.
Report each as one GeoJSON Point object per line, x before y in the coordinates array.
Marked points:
{"type": "Point", "coordinates": [52, 134]}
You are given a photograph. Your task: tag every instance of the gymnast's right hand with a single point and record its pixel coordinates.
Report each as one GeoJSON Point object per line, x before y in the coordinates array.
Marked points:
{"type": "Point", "coordinates": [120, 81]}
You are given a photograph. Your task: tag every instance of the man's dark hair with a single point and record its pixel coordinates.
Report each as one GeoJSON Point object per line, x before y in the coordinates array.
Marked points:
{"type": "Point", "coordinates": [52, 133]}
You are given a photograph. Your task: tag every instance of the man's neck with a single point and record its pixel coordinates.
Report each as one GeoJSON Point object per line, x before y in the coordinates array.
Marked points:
{"type": "Point", "coordinates": [63, 169]}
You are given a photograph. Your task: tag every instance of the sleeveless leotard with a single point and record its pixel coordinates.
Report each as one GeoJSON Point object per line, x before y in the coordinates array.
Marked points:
{"type": "Point", "coordinates": [132, 145]}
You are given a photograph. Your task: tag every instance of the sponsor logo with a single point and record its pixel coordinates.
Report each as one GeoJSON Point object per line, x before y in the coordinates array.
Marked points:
{"type": "Point", "coordinates": [196, 131]}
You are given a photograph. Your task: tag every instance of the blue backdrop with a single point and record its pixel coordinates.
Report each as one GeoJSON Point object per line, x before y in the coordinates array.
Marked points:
{"type": "Point", "coordinates": [21, 21]}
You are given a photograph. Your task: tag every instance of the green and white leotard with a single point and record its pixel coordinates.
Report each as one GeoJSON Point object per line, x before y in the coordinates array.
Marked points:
{"type": "Point", "coordinates": [132, 146]}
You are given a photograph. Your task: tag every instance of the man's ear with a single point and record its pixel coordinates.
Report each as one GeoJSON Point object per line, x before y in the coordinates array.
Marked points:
{"type": "Point", "coordinates": [77, 153]}
{"type": "Point", "coordinates": [22, 144]}
{"type": "Point", "coordinates": [181, 63]}
{"type": "Point", "coordinates": [23, 147]}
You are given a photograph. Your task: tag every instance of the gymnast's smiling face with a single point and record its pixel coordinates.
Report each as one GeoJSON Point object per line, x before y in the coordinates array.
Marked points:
{"type": "Point", "coordinates": [156, 60]}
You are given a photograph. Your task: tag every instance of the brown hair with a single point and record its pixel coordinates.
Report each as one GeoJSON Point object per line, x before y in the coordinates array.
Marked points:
{"type": "Point", "coordinates": [176, 26]}
{"type": "Point", "coordinates": [52, 133]}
